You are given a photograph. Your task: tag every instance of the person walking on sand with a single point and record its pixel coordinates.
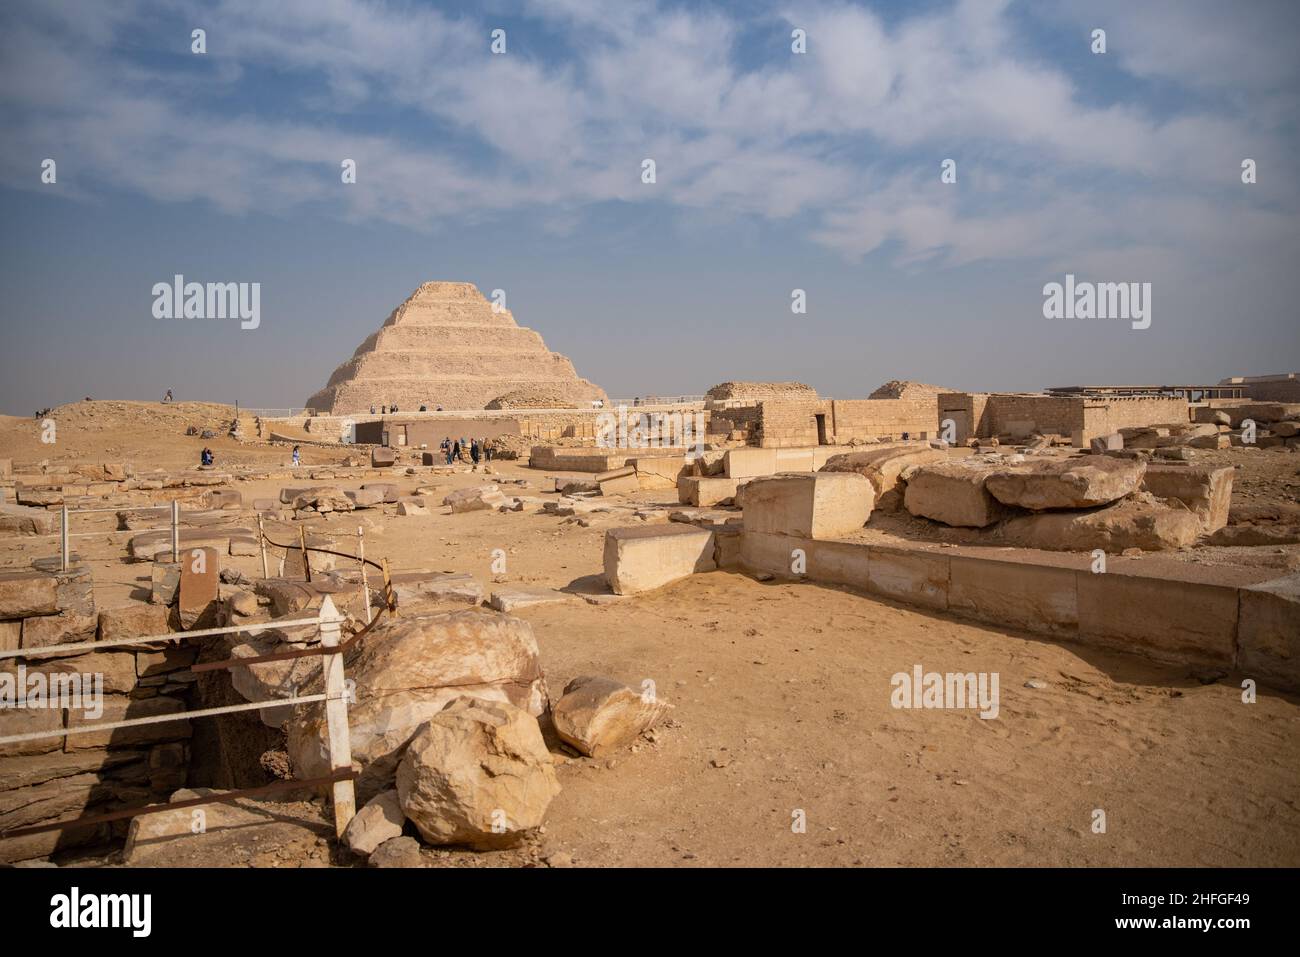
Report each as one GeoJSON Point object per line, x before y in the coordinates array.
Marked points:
{"type": "Point", "coordinates": [168, 397]}
{"type": "Point", "coordinates": [297, 457]}
{"type": "Point", "coordinates": [473, 451]}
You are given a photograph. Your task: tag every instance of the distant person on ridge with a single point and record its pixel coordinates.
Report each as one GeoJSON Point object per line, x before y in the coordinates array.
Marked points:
{"type": "Point", "coordinates": [168, 396]}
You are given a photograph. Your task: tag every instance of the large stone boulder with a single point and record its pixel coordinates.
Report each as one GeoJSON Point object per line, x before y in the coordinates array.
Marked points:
{"type": "Point", "coordinates": [883, 468]}
{"type": "Point", "coordinates": [406, 671]}
{"type": "Point", "coordinates": [477, 773]}
{"type": "Point", "coordinates": [1127, 524]}
{"type": "Point", "coordinates": [599, 715]}
{"type": "Point", "coordinates": [954, 494]}
{"type": "Point", "coordinates": [1066, 483]}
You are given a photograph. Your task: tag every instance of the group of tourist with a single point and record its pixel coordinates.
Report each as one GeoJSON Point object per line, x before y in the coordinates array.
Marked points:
{"type": "Point", "coordinates": [386, 409]}
{"type": "Point", "coordinates": [463, 450]}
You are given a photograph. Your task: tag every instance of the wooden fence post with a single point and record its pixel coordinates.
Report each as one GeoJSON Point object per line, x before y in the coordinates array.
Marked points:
{"type": "Point", "coordinates": [336, 717]}
{"type": "Point", "coordinates": [361, 557]}
{"type": "Point", "coordinates": [261, 540]}
{"type": "Point", "coordinates": [306, 562]}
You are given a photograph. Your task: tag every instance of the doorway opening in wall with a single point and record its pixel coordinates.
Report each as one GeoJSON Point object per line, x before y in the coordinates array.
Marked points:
{"type": "Point", "coordinates": [822, 437]}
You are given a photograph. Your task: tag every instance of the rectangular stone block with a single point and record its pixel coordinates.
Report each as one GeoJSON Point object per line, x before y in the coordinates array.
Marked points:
{"type": "Point", "coordinates": [819, 505]}
{"type": "Point", "coordinates": [1268, 632]}
{"type": "Point", "coordinates": [1164, 618]}
{"type": "Point", "coordinates": [382, 457]}
{"type": "Point", "coordinates": [704, 491]}
{"type": "Point", "coordinates": [659, 472]}
{"type": "Point", "coordinates": [1205, 491]}
{"type": "Point", "coordinates": [200, 578]}
{"type": "Point", "coordinates": [620, 481]}
{"type": "Point", "coordinates": [642, 559]}
{"type": "Point", "coordinates": [11, 633]}
{"type": "Point", "coordinates": [24, 594]}
{"type": "Point", "coordinates": [1042, 598]}
{"type": "Point", "coordinates": [912, 577]}
{"type": "Point", "coordinates": [749, 463]}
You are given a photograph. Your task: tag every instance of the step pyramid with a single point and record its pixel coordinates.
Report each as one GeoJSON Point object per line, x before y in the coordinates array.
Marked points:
{"type": "Point", "coordinates": [446, 346]}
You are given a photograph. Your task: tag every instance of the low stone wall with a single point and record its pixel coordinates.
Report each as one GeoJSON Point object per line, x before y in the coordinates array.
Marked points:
{"type": "Point", "coordinates": [1180, 615]}
{"type": "Point", "coordinates": [60, 778]}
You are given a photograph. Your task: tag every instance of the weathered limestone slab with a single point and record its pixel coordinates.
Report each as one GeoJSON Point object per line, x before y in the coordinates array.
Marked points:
{"type": "Point", "coordinates": [24, 594]}
{"type": "Point", "coordinates": [414, 587]}
{"type": "Point", "coordinates": [1113, 528]}
{"type": "Point", "coordinates": [119, 708]}
{"type": "Point", "coordinates": [1066, 483]}
{"type": "Point", "coordinates": [1269, 632]}
{"type": "Point", "coordinates": [135, 620]}
{"type": "Point", "coordinates": [1205, 491]}
{"type": "Point", "coordinates": [621, 481]}
{"type": "Point", "coordinates": [883, 467]}
{"type": "Point", "coordinates": [43, 631]}
{"type": "Point", "coordinates": [749, 463]}
{"type": "Point", "coordinates": [816, 505]}
{"type": "Point", "coordinates": [706, 490]}
{"type": "Point", "coordinates": [388, 489]}
{"type": "Point", "coordinates": [952, 494]}
{"type": "Point", "coordinates": [512, 599]}
{"type": "Point", "coordinates": [382, 457]}
{"type": "Point", "coordinates": [166, 578]}
{"type": "Point", "coordinates": [659, 471]}
{"type": "Point", "coordinates": [1041, 598]}
{"type": "Point", "coordinates": [912, 577]}
{"type": "Point", "coordinates": [642, 559]}
{"type": "Point", "coordinates": [1165, 618]}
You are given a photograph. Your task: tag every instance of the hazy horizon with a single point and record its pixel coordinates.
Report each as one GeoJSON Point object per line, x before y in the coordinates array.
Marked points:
{"type": "Point", "coordinates": [775, 171]}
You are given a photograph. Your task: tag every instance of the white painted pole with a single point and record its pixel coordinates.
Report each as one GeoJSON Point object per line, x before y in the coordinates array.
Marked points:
{"type": "Point", "coordinates": [336, 718]}
{"type": "Point", "coordinates": [63, 536]}
{"type": "Point", "coordinates": [176, 530]}
{"type": "Point", "coordinates": [361, 557]}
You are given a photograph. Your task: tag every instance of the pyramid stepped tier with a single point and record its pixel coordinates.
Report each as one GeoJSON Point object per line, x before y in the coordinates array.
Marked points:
{"type": "Point", "coordinates": [446, 346]}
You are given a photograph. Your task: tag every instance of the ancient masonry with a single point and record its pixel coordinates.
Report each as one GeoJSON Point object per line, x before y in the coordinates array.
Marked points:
{"type": "Point", "coordinates": [446, 346]}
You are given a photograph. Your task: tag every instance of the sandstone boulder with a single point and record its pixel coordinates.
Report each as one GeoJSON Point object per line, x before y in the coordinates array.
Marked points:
{"type": "Point", "coordinates": [477, 773]}
{"type": "Point", "coordinates": [644, 558]}
{"type": "Point", "coordinates": [406, 671]}
{"type": "Point", "coordinates": [599, 715]}
{"type": "Point", "coordinates": [953, 494]}
{"type": "Point", "coordinates": [1066, 483]}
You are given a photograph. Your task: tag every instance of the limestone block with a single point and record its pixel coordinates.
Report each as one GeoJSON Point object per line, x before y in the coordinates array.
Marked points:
{"type": "Point", "coordinates": [1269, 632]}
{"type": "Point", "coordinates": [749, 463]}
{"type": "Point", "coordinates": [818, 505]}
{"type": "Point", "coordinates": [704, 491]}
{"type": "Point", "coordinates": [953, 494]}
{"type": "Point", "coordinates": [1206, 491]}
{"type": "Point", "coordinates": [649, 557]}
{"type": "Point", "coordinates": [24, 594]}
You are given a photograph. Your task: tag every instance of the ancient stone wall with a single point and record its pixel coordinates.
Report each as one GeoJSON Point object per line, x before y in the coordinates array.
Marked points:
{"type": "Point", "coordinates": [885, 418]}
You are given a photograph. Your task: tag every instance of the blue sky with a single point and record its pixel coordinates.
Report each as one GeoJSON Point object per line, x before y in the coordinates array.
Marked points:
{"type": "Point", "coordinates": [775, 171]}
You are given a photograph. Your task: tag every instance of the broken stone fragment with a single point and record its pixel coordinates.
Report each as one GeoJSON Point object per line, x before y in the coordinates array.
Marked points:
{"type": "Point", "coordinates": [599, 715]}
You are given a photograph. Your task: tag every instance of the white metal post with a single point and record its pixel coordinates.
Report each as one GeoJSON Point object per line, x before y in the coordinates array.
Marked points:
{"type": "Point", "coordinates": [336, 717]}
{"type": "Point", "coordinates": [63, 536]}
{"type": "Point", "coordinates": [176, 530]}
{"type": "Point", "coordinates": [361, 557]}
